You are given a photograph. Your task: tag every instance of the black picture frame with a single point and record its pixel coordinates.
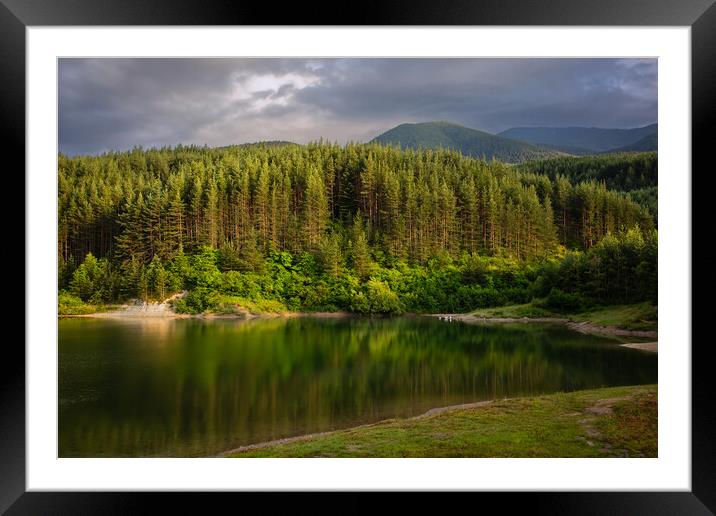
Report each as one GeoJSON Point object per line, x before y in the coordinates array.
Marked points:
{"type": "Point", "coordinates": [700, 15]}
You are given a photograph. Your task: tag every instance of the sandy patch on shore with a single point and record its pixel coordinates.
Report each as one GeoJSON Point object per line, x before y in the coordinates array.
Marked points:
{"type": "Point", "coordinates": [644, 346]}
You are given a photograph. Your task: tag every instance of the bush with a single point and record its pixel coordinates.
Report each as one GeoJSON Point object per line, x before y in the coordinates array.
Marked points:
{"type": "Point", "coordinates": [239, 305]}
{"type": "Point", "coordinates": [203, 272]}
{"type": "Point", "coordinates": [561, 301]}
{"type": "Point", "coordinates": [68, 304]}
{"type": "Point", "coordinates": [376, 298]}
{"type": "Point", "coordinates": [199, 300]}
{"type": "Point", "coordinates": [241, 285]}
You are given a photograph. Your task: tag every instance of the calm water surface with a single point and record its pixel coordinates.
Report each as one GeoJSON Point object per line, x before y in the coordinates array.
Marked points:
{"type": "Point", "coordinates": [188, 388]}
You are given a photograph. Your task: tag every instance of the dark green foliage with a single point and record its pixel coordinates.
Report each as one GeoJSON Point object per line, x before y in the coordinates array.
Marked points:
{"type": "Point", "coordinates": [634, 174]}
{"type": "Point", "coordinates": [330, 254]}
{"type": "Point", "coordinates": [567, 302]}
{"type": "Point", "coordinates": [94, 280]}
{"type": "Point", "coordinates": [469, 142]}
{"type": "Point", "coordinates": [625, 171]}
{"type": "Point", "coordinates": [323, 227]}
{"type": "Point", "coordinates": [648, 198]}
{"type": "Point", "coordinates": [376, 298]}
{"type": "Point", "coordinates": [620, 269]}
{"type": "Point", "coordinates": [130, 207]}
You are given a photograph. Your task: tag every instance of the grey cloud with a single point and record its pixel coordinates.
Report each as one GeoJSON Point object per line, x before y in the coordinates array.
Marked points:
{"type": "Point", "coordinates": [109, 104]}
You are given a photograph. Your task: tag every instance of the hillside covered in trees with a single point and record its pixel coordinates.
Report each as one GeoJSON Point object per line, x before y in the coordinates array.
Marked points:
{"type": "Point", "coordinates": [366, 228]}
{"type": "Point", "coordinates": [650, 142]}
{"type": "Point", "coordinates": [582, 140]}
{"type": "Point", "coordinates": [470, 142]}
{"type": "Point", "coordinates": [633, 173]}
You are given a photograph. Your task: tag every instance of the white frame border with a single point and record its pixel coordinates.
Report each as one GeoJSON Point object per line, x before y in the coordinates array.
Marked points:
{"type": "Point", "coordinates": [670, 471]}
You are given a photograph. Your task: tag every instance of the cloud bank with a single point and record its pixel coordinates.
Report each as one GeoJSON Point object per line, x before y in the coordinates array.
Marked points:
{"type": "Point", "coordinates": [117, 104]}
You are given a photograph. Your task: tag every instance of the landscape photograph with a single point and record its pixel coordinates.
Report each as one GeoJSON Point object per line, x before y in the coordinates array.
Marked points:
{"type": "Point", "coordinates": [357, 257]}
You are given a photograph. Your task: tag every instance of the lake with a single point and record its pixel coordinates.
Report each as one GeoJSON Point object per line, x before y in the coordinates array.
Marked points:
{"type": "Point", "coordinates": [192, 387]}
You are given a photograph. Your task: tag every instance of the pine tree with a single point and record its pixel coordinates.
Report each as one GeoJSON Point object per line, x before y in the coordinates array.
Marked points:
{"type": "Point", "coordinates": [362, 261]}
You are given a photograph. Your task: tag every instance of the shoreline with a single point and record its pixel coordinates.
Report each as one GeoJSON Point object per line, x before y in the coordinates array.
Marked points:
{"type": "Point", "coordinates": [121, 314]}
{"type": "Point", "coordinates": [307, 437]}
{"type": "Point", "coordinates": [586, 407]}
{"type": "Point", "coordinates": [581, 327]}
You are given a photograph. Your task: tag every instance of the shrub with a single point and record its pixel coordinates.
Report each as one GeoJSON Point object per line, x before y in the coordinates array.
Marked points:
{"type": "Point", "coordinates": [68, 304]}
{"type": "Point", "coordinates": [238, 305]}
{"type": "Point", "coordinates": [199, 300]}
{"type": "Point", "coordinates": [376, 298]}
{"type": "Point", "coordinates": [564, 301]}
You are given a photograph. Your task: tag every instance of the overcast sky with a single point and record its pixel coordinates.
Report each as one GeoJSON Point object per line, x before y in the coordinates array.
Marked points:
{"type": "Point", "coordinates": [116, 104]}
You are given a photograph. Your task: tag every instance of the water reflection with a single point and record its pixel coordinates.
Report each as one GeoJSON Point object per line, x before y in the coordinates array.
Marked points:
{"type": "Point", "coordinates": [192, 387]}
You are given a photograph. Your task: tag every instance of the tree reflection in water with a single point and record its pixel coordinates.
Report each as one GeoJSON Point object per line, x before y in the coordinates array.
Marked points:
{"type": "Point", "coordinates": [191, 387]}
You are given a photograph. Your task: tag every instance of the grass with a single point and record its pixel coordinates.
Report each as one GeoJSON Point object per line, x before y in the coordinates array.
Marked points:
{"type": "Point", "coordinates": [633, 425]}
{"type": "Point", "coordinates": [516, 311]}
{"type": "Point", "coordinates": [556, 425]}
{"type": "Point", "coordinates": [67, 304]}
{"type": "Point", "coordinates": [642, 316]}
{"type": "Point", "coordinates": [240, 305]}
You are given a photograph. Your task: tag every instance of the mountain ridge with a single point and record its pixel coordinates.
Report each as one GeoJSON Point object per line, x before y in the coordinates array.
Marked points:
{"type": "Point", "coordinates": [594, 139]}
{"type": "Point", "coordinates": [648, 143]}
{"type": "Point", "coordinates": [470, 142]}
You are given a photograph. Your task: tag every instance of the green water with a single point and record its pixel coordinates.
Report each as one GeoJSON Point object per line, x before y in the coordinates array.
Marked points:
{"type": "Point", "coordinates": [189, 388]}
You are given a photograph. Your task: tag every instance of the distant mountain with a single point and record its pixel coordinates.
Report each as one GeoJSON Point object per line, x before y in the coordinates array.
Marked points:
{"type": "Point", "coordinates": [575, 151]}
{"type": "Point", "coordinates": [648, 143]}
{"type": "Point", "coordinates": [470, 142]}
{"type": "Point", "coordinates": [589, 138]}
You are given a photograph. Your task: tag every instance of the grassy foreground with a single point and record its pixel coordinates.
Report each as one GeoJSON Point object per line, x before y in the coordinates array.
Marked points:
{"type": "Point", "coordinates": [641, 316]}
{"type": "Point", "coordinates": [611, 422]}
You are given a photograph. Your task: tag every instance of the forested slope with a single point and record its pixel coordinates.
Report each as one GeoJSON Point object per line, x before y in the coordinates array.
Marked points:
{"type": "Point", "coordinates": [470, 142]}
{"type": "Point", "coordinates": [648, 143]}
{"type": "Point", "coordinates": [158, 221]}
{"type": "Point", "coordinates": [595, 139]}
{"type": "Point", "coordinates": [634, 173]}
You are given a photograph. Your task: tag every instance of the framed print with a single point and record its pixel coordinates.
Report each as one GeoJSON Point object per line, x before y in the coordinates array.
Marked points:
{"type": "Point", "coordinates": [427, 252]}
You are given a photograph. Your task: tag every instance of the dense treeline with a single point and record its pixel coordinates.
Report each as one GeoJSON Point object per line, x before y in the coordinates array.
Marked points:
{"type": "Point", "coordinates": [412, 204]}
{"type": "Point", "coordinates": [272, 222]}
{"type": "Point", "coordinates": [648, 198]}
{"type": "Point", "coordinates": [635, 174]}
{"type": "Point", "coordinates": [620, 171]}
{"type": "Point", "coordinates": [620, 269]}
